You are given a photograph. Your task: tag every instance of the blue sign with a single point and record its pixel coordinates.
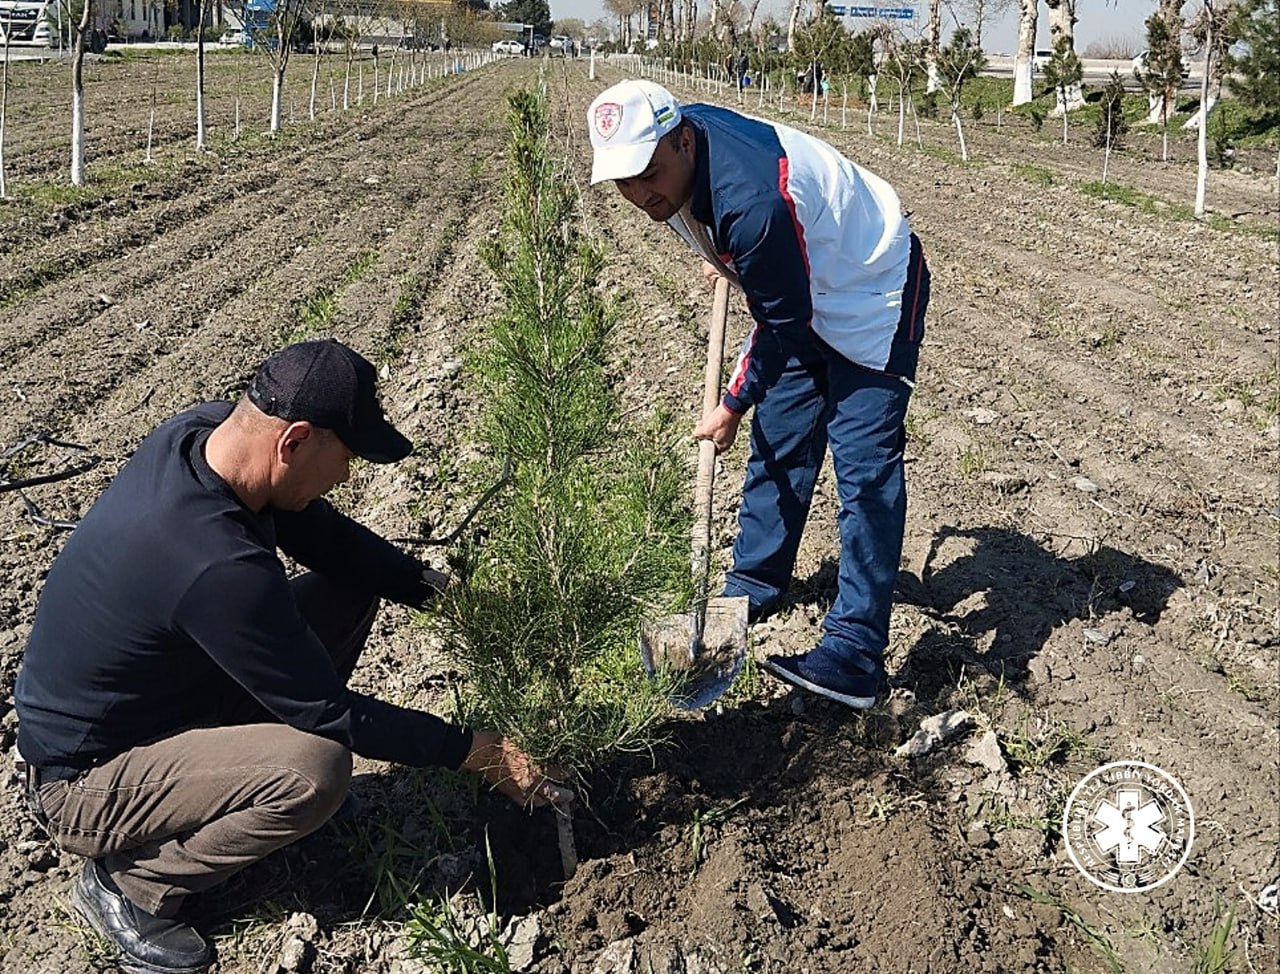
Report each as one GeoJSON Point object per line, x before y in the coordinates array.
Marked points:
{"type": "Point", "coordinates": [876, 13]}
{"type": "Point", "coordinates": [837, 8]}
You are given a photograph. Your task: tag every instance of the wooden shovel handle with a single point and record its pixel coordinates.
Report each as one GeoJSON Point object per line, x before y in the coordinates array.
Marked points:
{"type": "Point", "coordinates": [705, 484]}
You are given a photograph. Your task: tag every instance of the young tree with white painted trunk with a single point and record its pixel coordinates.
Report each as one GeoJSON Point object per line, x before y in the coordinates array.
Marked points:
{"type": "Point", "coordinates": [6, 26]}
{"type": "Point", "coordinates": [959, 61]}
{"type": "Point", "coordinates": [1023, 59]}
{"type": "Point", "coordinates": [1211, 29]}
{"type": "Point", "coordinates": [201, 134]}
{"type": "Point", "coordinates": [278, 39]}
{"type": "Point", "coordinates": [80, 43]}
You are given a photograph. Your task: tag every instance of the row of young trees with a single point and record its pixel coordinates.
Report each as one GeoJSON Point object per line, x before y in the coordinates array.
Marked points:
{"type": "Point", "coordinates": [323, 27]}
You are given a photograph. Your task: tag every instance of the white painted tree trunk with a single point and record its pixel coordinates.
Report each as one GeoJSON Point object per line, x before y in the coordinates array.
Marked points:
{"type": "Point", "coordinates": [964, 149]}
{"type": "Point", "coordinates": [151, 118]}
{"type": "Point", "coordinates": [935, 44]}
{"type": "Point", "coordinates": [1026, 51]}
{"type": "Point", "coordinates": [77, 97]}
{"type": "Point", "coordinates": [277, 95]}
{"type": "Point", "coordinates": [792, 20]}
{"type": "Point", "coordinates": [315, 81]}
{"type": "Point", "coordinates": [200, 127]}
{"type": "Point", "coordinates": [1206, 106]}
{"type": "Point", "coordinates": [4, 107]}
{"type": "Point", "coordinates": [1062, 23]}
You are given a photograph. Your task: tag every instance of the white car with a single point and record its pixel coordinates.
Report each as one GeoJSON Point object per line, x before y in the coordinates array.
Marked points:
{"type": "Point", "coordinates": [232, 38]}
{"type": "Point", "coordinates": [508, 47]}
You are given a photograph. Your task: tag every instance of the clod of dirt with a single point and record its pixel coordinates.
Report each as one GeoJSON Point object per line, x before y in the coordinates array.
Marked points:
{"type": "Point", "coordinates": [933, 731]}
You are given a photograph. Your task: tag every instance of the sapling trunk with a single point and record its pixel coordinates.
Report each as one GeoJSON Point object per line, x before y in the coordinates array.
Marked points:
{"type": "Point", "coordinates": [151, 118]}
{"type": "Point", "coordinates": [200, 32]}
{"type": "Point", "coordinates": [564, 834]}
{"type": "Point", "coordinates": [77, 97]}
{"type": "Point", "coordinates": [4, 107]}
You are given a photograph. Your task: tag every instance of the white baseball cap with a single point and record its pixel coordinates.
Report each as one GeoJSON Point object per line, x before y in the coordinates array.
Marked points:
{"type": "Point", "coordinates": [626, 122]}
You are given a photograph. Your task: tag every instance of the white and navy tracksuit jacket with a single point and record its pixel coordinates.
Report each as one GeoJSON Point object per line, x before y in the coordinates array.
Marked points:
{"type": "Point", "coordinates": [814, 240]}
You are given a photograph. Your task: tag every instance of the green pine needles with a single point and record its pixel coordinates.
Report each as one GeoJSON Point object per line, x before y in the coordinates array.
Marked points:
{"type": "Point", "coordinates": [591, 533]}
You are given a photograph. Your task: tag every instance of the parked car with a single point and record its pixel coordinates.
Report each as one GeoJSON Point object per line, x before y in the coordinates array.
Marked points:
{"type": "Point", "coordinates": [1139, 64]}
{"type": "Point", "coordinates": [508, 47]}
{"type": "Point", "coordinates": [562, 45]}
{"type": "Point", "coordinates": [1040, 59]}
{"type": "Point", "coordinates": [232, 38]}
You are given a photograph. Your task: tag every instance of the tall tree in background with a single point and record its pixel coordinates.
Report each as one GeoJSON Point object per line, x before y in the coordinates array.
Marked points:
{"type": "Point", "coordinates": [625, 11]}
{"type": "Point", "coordinates": [1161, 73]}
{"type": "Point", "coordinates": [934, 46]}
{"type": "Point", "coordinates": [1028, 12]}
{"type": "Point", "coordinates": [1062, 26]}
{"type": "Point", "coordinates": [793, 21]}
{"type": "Point", "coordinates": [979, 13]}
{"type": "Point", "coordinates": [535, 12]}
{"type": "Point", "coordinates": [1255, 67]}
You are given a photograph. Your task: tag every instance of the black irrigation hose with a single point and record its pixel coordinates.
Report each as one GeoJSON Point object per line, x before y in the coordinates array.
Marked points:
{"type": "Point", "coordinates": [37, 516]}
{"type": "Point", "coordinates": [48, 478]}
{"type": "Point", "coordinates": [33, 512]}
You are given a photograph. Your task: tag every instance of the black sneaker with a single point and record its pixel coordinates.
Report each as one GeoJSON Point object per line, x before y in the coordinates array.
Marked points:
{"type": "Point", "coordinates": [148, 944]}
{"type": "Point", "coordinates": [858, 692]}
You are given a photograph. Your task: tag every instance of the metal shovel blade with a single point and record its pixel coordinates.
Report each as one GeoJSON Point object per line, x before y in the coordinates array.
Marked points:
{"type": "Point", "coordinates": [702, 671]}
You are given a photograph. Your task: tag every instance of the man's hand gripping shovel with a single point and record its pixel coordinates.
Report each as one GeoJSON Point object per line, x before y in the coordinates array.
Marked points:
{"type": "Point", "coordinates": [705, 649]}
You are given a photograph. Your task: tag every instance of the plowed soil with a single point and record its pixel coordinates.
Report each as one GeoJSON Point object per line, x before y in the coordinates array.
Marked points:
{"type": "Point", "coordinates": [1090, 571]}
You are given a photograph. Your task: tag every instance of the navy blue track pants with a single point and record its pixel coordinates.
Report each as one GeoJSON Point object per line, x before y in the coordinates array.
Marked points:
{"type": "Point", "coordinates": [822, 399]}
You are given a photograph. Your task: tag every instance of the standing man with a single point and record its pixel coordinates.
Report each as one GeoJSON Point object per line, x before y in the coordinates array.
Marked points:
{"type": "Point", "coordinates": [837, 284]}
{"type": "Point", "coordinates": [183, 704]}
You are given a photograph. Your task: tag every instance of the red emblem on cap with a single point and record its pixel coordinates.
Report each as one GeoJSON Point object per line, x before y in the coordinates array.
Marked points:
{"type": "Point", "coordinates": [608, 118]}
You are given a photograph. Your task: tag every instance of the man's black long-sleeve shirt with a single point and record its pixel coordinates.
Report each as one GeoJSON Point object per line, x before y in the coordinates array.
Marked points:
{"type": "Point", "coordinates": [170, 585]}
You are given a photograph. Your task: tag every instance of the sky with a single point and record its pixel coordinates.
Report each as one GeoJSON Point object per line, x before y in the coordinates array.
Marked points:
{"type": "Point", "coordinates": [1096, 20]}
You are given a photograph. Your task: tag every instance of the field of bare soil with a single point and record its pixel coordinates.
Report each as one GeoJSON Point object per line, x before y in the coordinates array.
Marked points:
{"type": "Point", "coordinates": [1091, 569]}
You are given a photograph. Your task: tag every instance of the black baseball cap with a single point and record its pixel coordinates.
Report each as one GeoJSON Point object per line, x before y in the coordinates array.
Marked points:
{"type": "Point", "coordinates": [333, 387]}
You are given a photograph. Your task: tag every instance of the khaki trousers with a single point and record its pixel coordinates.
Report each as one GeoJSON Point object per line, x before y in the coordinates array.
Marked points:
{"type": "Point", "coordinates": [183, 814]}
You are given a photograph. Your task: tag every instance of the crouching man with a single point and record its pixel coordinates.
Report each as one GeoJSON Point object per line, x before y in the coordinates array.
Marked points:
{"type": "Point", "coordinates": [183, 703]}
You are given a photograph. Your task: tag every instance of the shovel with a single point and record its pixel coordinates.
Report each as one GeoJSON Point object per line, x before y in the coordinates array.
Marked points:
{"type": "Point", "coordinates": [706, 648]}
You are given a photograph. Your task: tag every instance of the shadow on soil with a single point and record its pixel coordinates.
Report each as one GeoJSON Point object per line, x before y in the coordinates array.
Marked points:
{"type": "Point", "coordinates": [995, 596]}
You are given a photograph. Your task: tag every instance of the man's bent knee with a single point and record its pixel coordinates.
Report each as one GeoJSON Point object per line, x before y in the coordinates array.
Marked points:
{"type": "Point", "coordinates": [320, 775]}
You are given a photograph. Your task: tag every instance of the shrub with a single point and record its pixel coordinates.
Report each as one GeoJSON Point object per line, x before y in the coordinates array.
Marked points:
{"type": "Point", "coordinates": [1111, 125]}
